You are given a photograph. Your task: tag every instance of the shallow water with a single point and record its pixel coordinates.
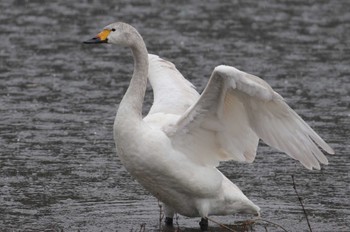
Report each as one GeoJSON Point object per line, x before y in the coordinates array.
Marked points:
{"type": "Point", "coordinates": [58, 98]}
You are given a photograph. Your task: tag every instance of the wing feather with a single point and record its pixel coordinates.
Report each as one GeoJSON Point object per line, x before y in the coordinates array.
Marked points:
{"type": "Point", "coordinates": [233, 112]}
{"type": "Point", "coordinates": [172, 92]}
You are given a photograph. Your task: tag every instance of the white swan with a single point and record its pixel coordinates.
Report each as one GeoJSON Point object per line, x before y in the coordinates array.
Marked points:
{"type": "Point", "coordinates": [173, 152]}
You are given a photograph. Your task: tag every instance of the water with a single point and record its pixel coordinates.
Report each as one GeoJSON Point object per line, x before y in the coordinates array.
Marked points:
{"type": "Point", "coordinates": [58, 98]}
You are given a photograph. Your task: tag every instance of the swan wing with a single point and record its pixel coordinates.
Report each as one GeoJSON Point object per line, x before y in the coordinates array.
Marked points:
{"type": "Point", "coordinates": [173, 94]}
{"type": "Point", "coordinates": [233, 112]}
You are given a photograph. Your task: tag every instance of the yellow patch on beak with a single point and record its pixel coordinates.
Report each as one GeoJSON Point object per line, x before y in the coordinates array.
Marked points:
{"type": "Point", "coordinates": [103, 34]}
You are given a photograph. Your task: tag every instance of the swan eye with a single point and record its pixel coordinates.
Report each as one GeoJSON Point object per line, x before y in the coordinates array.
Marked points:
{"type": "Point", "coordinates": [113, 29]}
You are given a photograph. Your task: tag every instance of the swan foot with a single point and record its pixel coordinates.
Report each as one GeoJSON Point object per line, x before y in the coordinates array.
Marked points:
{"type": "Point", "coordinates": [204, 224]}
{"type": "Point", "coordinates": [168, 221]}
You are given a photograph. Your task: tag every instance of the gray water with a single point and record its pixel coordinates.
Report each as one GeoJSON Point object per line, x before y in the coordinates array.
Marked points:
{"type": "Point", "coordinates": [58, 98]}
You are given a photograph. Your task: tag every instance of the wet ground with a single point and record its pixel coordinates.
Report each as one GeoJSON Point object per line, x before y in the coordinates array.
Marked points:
{"type": "Point", "coordinates": [58, 98]}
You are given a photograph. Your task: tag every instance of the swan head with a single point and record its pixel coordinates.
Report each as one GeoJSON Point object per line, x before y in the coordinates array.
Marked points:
{"type": "Point", "coordinates": [116, 33]}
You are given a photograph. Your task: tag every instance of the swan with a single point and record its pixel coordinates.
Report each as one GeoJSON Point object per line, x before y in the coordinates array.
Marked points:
{"type": "Point", "coordinates": [174, 151]}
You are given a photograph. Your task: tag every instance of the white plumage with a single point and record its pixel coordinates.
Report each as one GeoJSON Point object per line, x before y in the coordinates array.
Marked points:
{"type": "Point", "coordinates": [173, 152]}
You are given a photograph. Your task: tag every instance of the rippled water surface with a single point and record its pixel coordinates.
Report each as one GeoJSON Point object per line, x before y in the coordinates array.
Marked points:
{"type": "Point", "coordinates": [58, 98]}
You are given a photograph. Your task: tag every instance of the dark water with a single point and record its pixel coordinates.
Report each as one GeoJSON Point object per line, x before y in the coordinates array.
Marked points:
{"type": "Point", "coordinates": [58, 98]}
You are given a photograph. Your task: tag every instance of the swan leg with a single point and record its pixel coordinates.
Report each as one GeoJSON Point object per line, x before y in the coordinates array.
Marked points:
{"type": "Point", "coordinates": [169, 215]}
{"type": "Point", "coordinates": [168, 221]}
{"type": "Point", "coordinates": [204, 224]}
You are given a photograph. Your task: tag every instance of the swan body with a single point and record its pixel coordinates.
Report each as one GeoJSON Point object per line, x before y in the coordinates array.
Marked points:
{"type": "Point", "coordinates": [173, 152]}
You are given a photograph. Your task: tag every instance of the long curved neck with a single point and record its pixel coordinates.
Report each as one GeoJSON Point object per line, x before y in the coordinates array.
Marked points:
{"type": "Point", "coordinates": [131, 104]}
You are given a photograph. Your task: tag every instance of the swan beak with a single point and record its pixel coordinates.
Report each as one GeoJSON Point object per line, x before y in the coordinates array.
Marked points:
{"type": "Point", "coordinates": [100, 38]}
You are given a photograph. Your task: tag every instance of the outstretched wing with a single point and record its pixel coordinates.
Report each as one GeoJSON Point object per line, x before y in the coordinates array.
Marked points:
{"type": "Point", "coordinates": [173, 94]}
{"type": "Point", "coordinates": [233, 112]}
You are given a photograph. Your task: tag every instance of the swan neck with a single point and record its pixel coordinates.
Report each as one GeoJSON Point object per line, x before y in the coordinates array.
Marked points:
{"type": "Point", "coordinates": [133, 99]}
